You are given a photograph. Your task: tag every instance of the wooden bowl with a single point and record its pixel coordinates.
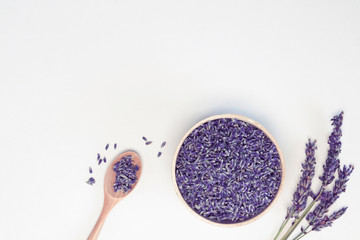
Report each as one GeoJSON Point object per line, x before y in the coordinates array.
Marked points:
{"type": "Point", "coordinates": [257, 125]}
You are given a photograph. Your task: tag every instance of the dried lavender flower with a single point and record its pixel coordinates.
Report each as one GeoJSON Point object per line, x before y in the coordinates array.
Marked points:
{"type": "Point", "coordinates": [91, 181]}
{"type": "Point", "coordinates": [125, 174]}
{"type": "Point", "coordinates": [163, 144]}
{"type": "Point", "coordinates": [148, 142]}
{"type": "Point", "coordinates": [98, 156]}
{"type": "Point", "coordinates": [326, 221]}
{"type": "Point", "coordinates": [228, 171]}
{"type": "Point", "coordinates": [317, 218]}
{"type": "Point", "coordinates": [327, 198]}
{"type": "Point", "coordinates": [100, 160]}
{"type": "Point", "coordinates": [332, 162]}
{"type": "Point", "coordinates": [144, 138]}
{"type": "Point", "coordinates": [159, 154]}
{"type": "Point", "coordinates": [302, 192]}
{"type": "Point", "coordinates": [115, 145]}
{"type": "Point", "coordinates": [104, 159]}
{"type": "Point", "coordinates": [107, 146]}
{"type": "Point", "coordinates": [90, 170]}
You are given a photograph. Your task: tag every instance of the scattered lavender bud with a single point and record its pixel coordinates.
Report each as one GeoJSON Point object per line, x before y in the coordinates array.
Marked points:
{"type": "Point", "coordinates": [228, 171]}
{"type": "Point", "coordinates": [107, 146]}
{"type": "Point", "coordinates": [98, 156]}
{"type": "Point", "coordinates": [90, 170]}
{"type": "Point", "coordinates": [148, 142]}
{"type": "Point", "coordinates": [100, 160]}
{"type": "Point", "coordinates": [104, 159]}
{"type": "Point", "coordinates": [125, 174]}
{"type": "Point", "coordinates": [91, 181]}
{"type": "Point", "coordinates": [163, 144]}
{"type": "Point", "coordinates": [144, 138]}
{"type": "Point", "coordinates": [115, 145]}
{"type": "Point", "coordinates": [159, 154]}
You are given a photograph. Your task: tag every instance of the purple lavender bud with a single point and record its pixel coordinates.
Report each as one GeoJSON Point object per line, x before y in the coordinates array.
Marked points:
{"type": "Point", "coordinates": [104, 159]}
{"type": "Point", "coordinates": [227, 170]}
{"type": "Point", "coordinates": [125, 174]}
{"type": "Point", "coordinates": [159, 154]}
{"type": "Point", "coordinates": [317, 218]}
{"type": "Point", "coordinates": [148, 142]}
{"type": "Point", "coordinates": [327, 198]}
{"type": "Point", "coordinates": [327, 221]}
{"type": "Point", "coordinates": [107, 146]}
{"type": "Point", "coordinates": [115, 145]}
{"type": "Point", "coordinates": [344, 174]}
{"type": "Point", "coordinates": [98, 156]}
{"type": "Point", "coordinates": [338, 213]}
{"type": "Point", "coordinates": [91, 181]}
{"type": "Point", "coordinates": [332, 162]}
{"type": "Point", "coordinates": [90, 170]}
{"type": "Point", "coordinates": [303, 188]}
{"type": "Point", "coordinates": [144, 138]}
{"type": "Point", "coordinates": [163, 144]}
{"type": "Point", "coordinates": [100, 160]}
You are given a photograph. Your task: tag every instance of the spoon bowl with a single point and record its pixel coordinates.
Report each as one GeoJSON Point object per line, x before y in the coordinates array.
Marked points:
{"type": "Point", "coordinates": [111, 198]}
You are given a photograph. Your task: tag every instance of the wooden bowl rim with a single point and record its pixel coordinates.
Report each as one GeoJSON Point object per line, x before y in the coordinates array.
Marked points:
{"type": "Point", "coordinates": [254, 123]}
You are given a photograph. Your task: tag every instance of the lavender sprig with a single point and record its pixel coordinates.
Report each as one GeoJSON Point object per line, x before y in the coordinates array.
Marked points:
{"type": "Point", "coordinates": [328, 221]}
{"type": "Point", "coordinates": [317, 218]}
{"type": "Point", "coordinates": [327, 198]}
{"type": "Point", "coordinates": [332, 162]}
{"type": "Point", "coordinates": [303, 188]}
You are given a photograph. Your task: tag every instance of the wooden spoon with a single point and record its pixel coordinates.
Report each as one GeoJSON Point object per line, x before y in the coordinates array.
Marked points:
{"type": "Point", "coordinates": [111, 198]}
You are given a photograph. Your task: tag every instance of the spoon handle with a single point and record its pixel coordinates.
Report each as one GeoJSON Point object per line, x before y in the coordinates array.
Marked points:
{"type": "Point", "coordinates": [108, 205]}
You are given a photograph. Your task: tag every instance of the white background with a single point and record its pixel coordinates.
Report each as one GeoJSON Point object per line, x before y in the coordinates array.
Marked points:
{"type": "Point", "coordinates": [75, 75]}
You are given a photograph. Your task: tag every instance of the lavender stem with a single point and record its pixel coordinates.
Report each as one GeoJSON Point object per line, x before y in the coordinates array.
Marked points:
{"type": "Point", "coordinates": [297, 222]}
{"type": "Point", "coordinates": [302, 236]}
{"type": "Point", "coordinates": [302, 233]}
{"type": "Point", "coordinates": [282, 227]}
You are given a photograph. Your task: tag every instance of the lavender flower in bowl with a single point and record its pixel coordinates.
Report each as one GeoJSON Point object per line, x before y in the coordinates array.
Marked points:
{"type": "Point", "coordinates": [228, 170]}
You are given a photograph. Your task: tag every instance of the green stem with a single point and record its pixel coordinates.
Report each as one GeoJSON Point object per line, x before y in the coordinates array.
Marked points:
{"type": "Point", "coordinates": [301, 236]}
{"type": "Point", "coordinates": [297, 236]}
{"type": "Point", "coordinates": [297, 222]}
{"type": "Point", "coordinates": [281, 228]}
{"type": "Point", "coordinates": [301, 233]}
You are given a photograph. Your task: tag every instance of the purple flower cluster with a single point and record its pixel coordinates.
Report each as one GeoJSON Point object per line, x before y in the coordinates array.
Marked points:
{"type": "Point", "coordinates": [228, 171]}
{"type": "Point", "coordinates": [324, 198]}
{"type": "Point", "coordinates": [332, 162]}
{"type": "Point", "coordinates": [327, 198]}
{"type": "Point", "coordinates": [125, 174]}
{"type": "Point", "coordinates": [304, 186]}
{"type": "Point", "coordinates": [327, 221]}
{"type": "Point", "coordinates": [317, 218]}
